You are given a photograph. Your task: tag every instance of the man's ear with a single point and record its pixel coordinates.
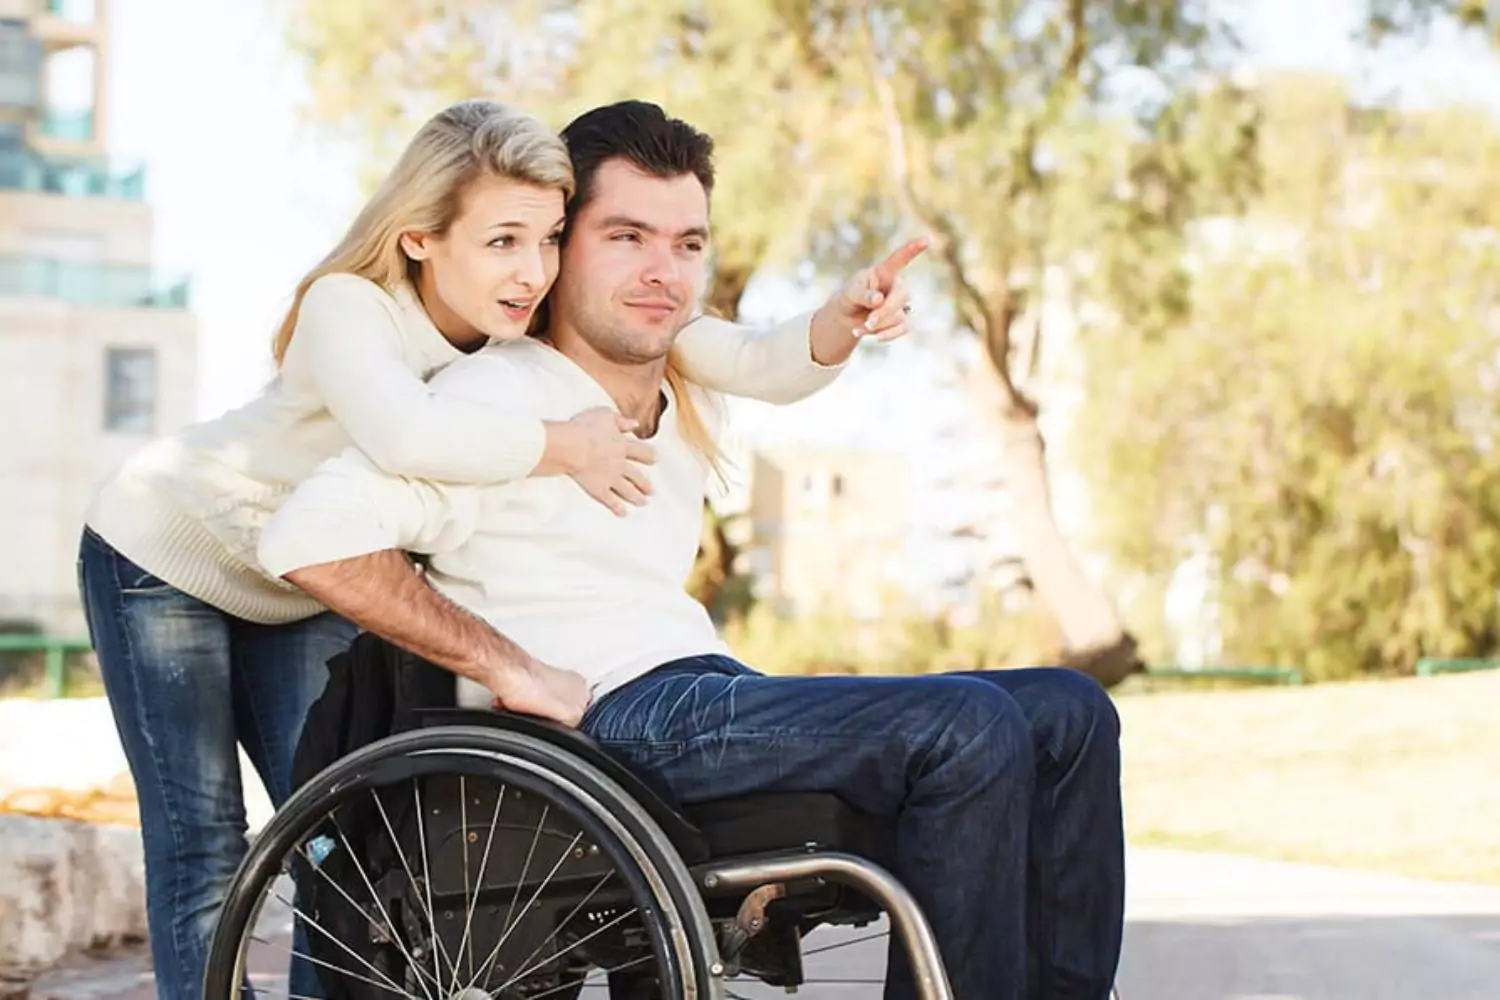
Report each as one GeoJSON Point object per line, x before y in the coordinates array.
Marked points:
{"type": "Point", "coordinates": [417, 244]}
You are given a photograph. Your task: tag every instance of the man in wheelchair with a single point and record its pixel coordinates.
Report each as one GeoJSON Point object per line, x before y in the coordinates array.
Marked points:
{"type": "Point", "coordinates": [993, 797]}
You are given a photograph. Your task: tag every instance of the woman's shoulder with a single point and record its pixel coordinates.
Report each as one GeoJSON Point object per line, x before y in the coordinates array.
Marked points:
{"type": "Point", "coordinates": [343, 286]}
{"type": "Point", "coordinates": [339, 309]}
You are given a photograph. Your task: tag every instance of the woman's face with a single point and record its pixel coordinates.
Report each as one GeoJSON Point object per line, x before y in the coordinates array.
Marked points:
{"type": "Point", "coordinates": [484, 278]}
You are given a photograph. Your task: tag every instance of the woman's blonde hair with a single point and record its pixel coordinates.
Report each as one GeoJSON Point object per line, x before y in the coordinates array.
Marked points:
{"type": "Point", "coordinates": [423, 190]}
{"type": "Point", "coordinates": [689, 421]}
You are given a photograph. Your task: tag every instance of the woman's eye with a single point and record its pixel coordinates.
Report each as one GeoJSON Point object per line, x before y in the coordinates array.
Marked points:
{"type": "Point", "coordinates": [503, 242]}
{"type": "Point", "coordinates": [553, 239]}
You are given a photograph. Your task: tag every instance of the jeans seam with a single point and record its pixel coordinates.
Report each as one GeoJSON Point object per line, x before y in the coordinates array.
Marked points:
{"type": "Point", "coordinates": [179, 946]}
{"type": "Point", "coordinates": [255, 720]}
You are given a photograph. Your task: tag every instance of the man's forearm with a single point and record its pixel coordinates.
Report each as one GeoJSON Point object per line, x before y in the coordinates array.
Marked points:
{"type": "Point", "coordinates": [383, 594]}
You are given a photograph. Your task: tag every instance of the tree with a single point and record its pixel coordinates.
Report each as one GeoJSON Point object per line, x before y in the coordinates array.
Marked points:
{"type": "Point", "coordinates": [1030, 138]}
{"type": "Point", "coordinates": [1324, 430]}
{"type": "Point", "coordinates": [1385, 19]}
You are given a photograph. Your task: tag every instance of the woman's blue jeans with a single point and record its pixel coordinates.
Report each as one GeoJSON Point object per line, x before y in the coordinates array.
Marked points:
{"type": "Point", "coordinates": [188, 685]}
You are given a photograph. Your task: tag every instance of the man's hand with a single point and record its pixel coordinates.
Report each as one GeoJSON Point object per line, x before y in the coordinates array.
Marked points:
{"type": "Point", "coordinates": [537, 689]}
{"type": "Point", "coordinates": [873, 302]}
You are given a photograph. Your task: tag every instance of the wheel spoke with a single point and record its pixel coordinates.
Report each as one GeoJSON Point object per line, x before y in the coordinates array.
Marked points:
{"type": "Point", "coordinates": [437, 939]}
{"type": "Point", "coordinates": [564, 922]}
{"type": "Point", "coordinates": [584, 981]}
{"type": "Point", "coordinates": [395, 934]}
{"type": "Point", "coordinates": [556, 955]}
{"type": "Point", "coordinates": [474, 896]}
{"type": "Point", "coordinates": [463, 839]}
{"type": "Point", "coordinates": [390, 829]}
{"type": "Point", "coordinates": [534, 896]}
{"type": "Point", "coordinates": [309, 921]}
{"type": "Point", "coordinates": [846, 944]}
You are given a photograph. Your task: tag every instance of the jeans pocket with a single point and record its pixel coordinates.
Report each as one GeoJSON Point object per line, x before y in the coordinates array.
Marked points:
{"type": "Point", "coordinates": [643, 755]}
{"type": "Point", "coordinates": [137, 582]}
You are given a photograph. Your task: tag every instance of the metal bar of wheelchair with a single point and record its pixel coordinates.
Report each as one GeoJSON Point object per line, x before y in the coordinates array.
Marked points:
{"type": "Point", "coordinates": [906, 917]}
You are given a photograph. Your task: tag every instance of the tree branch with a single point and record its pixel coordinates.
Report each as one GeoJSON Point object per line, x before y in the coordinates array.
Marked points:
{"type": "Point", "coordinates": [989, 320]}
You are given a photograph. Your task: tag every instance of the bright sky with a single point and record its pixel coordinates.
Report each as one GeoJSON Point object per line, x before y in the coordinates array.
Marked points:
{"type": "Point", "coordinates": [246, 202]}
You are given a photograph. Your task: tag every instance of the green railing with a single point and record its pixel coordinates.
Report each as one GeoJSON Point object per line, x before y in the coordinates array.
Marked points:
{"type": "Point", "coordinates": [73, 126]}
{"type": "Point", "coordinates": [90, 283]}
{"type": "Point", "coordinates": [55, 649]}
{"type": "Point", "coordinates": [24, 170]}
{"type": "Point", "coordinates": [1430, 666]}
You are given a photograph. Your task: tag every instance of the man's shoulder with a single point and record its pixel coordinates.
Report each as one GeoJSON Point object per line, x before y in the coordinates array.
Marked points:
{"type": "Point", "coordinates": [517, 371]}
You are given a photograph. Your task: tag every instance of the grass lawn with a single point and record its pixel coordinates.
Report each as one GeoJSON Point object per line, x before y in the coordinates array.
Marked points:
{"type": "Point", "coordinates": [1402, 776]}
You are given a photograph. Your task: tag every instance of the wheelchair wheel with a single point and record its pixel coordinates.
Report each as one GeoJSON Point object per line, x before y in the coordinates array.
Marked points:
{"type": "Point", "coordinates": [461, 863]}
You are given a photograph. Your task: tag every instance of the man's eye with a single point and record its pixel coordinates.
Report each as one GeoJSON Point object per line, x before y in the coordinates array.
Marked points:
{"type": "Point", "coordinates": [693, 246]}
{"type": "Point", "coordinates": [632, 237]}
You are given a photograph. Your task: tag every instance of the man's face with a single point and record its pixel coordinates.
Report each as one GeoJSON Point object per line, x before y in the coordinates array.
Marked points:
{"type": "Point", "coordinates": [635, 263]}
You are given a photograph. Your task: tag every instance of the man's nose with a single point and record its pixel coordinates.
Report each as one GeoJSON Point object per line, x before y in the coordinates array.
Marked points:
{"type": "Point", "coordinates": [661, 267]}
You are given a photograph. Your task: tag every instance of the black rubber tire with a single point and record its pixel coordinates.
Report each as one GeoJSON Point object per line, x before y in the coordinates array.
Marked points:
{"type": "Point", "coordinates": [646, 859]}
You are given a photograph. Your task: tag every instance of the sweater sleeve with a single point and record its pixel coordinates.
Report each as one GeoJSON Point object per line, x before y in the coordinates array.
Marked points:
{"type": "Point", "coordinates": [774, 364]}
{"type": "Point", "coordinates": [350, 340]}
{"type": "Point", "coordinates": [349, 508]}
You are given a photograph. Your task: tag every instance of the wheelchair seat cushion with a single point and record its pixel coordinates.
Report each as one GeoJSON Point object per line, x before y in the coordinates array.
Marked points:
{"type": "Point", "coordinates": [782, 821]}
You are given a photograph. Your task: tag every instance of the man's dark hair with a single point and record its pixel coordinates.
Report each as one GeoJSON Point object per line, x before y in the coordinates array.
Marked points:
{"type": "Point", "coordinates": [644, 136]}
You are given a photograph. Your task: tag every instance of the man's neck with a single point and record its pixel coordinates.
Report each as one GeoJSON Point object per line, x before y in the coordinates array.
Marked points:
{"type": "Point", "coordinates": [636, 387]}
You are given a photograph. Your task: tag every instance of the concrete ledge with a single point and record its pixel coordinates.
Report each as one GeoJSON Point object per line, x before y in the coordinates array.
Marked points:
{"type": "Point", "coordinates": [66, 887]}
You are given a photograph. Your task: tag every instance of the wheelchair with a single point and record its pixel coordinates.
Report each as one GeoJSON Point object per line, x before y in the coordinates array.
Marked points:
{"type": "Point", "coordinates": [488, 855]}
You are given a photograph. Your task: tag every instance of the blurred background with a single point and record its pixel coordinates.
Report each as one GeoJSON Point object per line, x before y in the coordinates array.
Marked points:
{"type": "Point", "coordinates": [1201, 398]}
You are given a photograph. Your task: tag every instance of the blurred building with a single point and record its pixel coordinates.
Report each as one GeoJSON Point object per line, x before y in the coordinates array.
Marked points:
{"type": "Point", "coordinates": [829, 530]}
{"type": "Point", "coordinates": [97, 354]}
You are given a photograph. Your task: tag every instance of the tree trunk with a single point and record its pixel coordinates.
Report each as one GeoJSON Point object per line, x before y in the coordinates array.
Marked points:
{"type": "Point", "coordinates": [1094, 639]}
{"type": "Point", "coordinates": [726, 290]}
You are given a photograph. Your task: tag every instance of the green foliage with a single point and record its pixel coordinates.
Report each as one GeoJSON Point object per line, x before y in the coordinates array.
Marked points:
{"type": "Point", "coordinates": [1325, 426]}
{"type": "Point", "coordinates": [902, 642]}
{"type": "Point", "coordinates": [1384, 19]}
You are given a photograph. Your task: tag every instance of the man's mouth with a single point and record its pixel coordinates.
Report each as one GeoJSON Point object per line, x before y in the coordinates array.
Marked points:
{"type": "Point", "coordinates": [660, 306]}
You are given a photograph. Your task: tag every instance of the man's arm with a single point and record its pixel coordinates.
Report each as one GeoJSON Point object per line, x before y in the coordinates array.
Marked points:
{"type": "Point", "coordinates": [792, 360]}
{"type": "Point", "coordinates": [382, 593]}
{"type": "Point", "coordinates": [341, 536]}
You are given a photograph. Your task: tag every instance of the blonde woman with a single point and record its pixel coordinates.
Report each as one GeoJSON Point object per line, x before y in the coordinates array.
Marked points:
{"type": "Point", "coordinates": [200, 650]}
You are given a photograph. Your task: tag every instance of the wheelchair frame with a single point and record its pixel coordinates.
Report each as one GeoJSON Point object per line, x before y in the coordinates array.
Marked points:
{"type": "Point", "coordinates": [474, 741]}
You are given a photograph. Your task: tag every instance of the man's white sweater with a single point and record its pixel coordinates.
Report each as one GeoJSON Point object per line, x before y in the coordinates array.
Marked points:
{"type": "Point", "coordinates": [573, 584]}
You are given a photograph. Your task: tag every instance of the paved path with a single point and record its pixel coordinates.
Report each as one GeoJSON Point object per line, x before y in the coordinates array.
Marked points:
{"type": "Point", "coordinates": [1202, 927]}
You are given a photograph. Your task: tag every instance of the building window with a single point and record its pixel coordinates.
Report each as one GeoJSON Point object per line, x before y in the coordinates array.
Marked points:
{"type": "Point", "coordinates": [130, 390]}
{"type": "Point", "coordinates": [20, 66]}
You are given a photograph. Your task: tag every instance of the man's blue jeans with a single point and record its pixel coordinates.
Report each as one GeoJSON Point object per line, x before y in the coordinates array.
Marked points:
{"type": "Point", "coordinates": [1005, 788]}
{"type": "Point", "coordinates": [188, 684]}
